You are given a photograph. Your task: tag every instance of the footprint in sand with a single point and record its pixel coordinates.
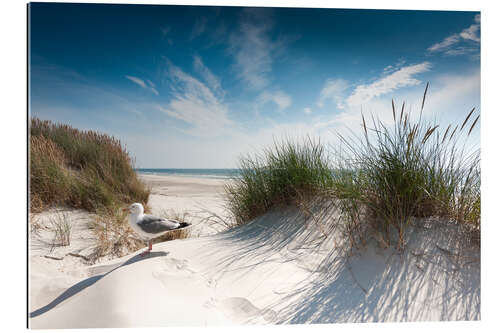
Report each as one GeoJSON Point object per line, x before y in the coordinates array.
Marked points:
{"type": "Point", "coordinates": [212, 283]}
{"type": "Point", "coordinates": [241, 309]}
{"type": "Point", "coordinates": [211, 303]}
{"type": "Point", "coordinates": [171, 267]}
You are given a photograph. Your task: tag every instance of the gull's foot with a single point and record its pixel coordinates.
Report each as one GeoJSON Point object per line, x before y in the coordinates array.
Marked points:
{"type": "Point", "coordinates": [144, 253]}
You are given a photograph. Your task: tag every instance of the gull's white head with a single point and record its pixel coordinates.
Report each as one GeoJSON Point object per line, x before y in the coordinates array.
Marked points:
{"type": "Point", "coordinates": [135, 209]}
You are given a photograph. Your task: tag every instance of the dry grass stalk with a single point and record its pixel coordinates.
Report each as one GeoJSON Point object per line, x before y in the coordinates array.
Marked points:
{"type": "Point", "coordinates": [61, 226]}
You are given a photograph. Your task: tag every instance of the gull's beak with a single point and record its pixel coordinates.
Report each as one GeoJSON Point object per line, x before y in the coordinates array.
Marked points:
{"type": "Point", "coordinates": [125, 209]}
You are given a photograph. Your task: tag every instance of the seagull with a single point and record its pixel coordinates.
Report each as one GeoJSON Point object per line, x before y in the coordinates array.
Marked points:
{"type": "Point", "coordinates": [148, 226]}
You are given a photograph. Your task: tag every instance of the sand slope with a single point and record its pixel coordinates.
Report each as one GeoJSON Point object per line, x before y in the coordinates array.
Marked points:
{"type": "Point", "coordinates": [55, 268]}
{"type": "Point", "coordinates": [278, 269]}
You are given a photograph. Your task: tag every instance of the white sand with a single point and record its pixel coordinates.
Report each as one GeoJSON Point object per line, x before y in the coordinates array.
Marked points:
{"type": "Point", "coordinates": [277, 269]}
{"type": "Point", "coordinates": [200, 198]}
{"type": "Point", "coordinates": [53, 268]}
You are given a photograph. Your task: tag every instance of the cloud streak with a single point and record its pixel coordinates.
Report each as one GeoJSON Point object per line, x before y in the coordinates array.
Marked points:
{"type": "Point", "coordinates": [148, 85]}
{"type": "Point", "coordinates": [449, 45]}
{"type": "Point", "coordinates": [445, 44]}
{"type": "Point", "coordinates": [252, 47]}
{"type": "Point", "coordinates": [196, 104]}
{"type": "Point", "coordinates": [278, 97]}
{"type": "Point", "coordinates": [393, 78]}
{"type": "Point", "coordinates": [401, 78]}
{"type": "Point", "coordinates": [207, 75]}
{"type": "Point", "coordinates": [333, 90]}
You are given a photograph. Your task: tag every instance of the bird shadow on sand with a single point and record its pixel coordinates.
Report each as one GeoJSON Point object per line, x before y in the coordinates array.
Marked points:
{"type": "Point", "coordinates": [75, 289]}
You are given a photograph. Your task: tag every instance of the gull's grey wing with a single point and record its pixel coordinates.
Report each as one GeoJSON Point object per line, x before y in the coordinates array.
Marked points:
{"type": "Point", "coordinates": [156, 225]}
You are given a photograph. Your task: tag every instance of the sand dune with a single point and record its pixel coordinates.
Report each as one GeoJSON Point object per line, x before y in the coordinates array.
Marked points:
{"type": "Point", "coordinates": [278, 269]}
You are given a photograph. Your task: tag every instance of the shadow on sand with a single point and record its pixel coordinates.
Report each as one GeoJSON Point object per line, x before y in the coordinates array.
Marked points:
{"type": "Point", "coordinates": [436, 278]}
{"type": "Point", "coordinates": [75, 289]}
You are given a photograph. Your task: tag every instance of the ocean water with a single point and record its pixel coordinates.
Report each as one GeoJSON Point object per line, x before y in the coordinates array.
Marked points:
{"type": "Point", "coordinates": [202, 173]}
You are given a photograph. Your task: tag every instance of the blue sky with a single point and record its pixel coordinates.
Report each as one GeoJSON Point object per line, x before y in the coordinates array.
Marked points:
{"type": "Point", "coordinates": [197, 87]}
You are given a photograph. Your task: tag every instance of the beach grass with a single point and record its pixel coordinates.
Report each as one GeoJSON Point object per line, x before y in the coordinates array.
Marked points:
{"type": "Point", "coordinates": [84, 170]}
{"type": "Point", "coordinates": [381, 179]}
{"type": "Point", "coordinates": [283, 173]}
{"type": "Point", "coordinates": [410, 168]}
{"type": "Point", "coordinates": [113, 236]}
{"type": "Point", "coordinates": [80, 169]}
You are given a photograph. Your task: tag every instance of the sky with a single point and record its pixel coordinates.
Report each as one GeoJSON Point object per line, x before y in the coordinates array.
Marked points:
{"type": "Point", "coordinates": [200, 87]}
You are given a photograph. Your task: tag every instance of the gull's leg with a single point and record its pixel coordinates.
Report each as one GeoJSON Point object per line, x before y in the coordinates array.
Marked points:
{"type": "Point", "coordinates": [150, 247]}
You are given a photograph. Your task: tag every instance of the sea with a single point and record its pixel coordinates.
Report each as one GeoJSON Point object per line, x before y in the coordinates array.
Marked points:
{"type": "Point", "coordinates": [199, 173]}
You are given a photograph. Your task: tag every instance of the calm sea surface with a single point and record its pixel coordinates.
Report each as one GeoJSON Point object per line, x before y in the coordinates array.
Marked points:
{"type": "Point", "coordinates": [203, 173]}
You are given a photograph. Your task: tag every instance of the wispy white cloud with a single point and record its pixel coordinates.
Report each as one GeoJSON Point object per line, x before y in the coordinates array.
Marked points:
{"type": "Point", "coordinates": [375, 97]}
{"type": "Point", "coordinates": [403, 77]}
{"type": "Point", "coordinates": [394, 67]}
{"type": "Point", "coordinates": [388, 68]}
{"type": "Point", "coordinates": [207, 75]}
{"type": "Point", "coordinates": [307, 110]}
{"type": "Point", "coordinates": [394, 77]}
{"type": "Point", "coordinates": [471, 33]}
{"type": "Point", "coordinates": [446, 43]}
{"type": "Point", "coordinates": [144, 84]}
{"type": "Point", "coordinates": [333, 90]}
{"type": "Point", "coordinates": [449, 99]}
{"type": "Point", "coordinates": [136, 80]}
{"type": "Point", "coordinates": [450, 45]}
{"type": "Point", "coordinates": [196, 104]}
{"type": "Point", "coordinates": [460, 50]}
{"type": "Point", "coordinates": [281, 99]}
{"type": "Point", "coordinates": [253, 48]}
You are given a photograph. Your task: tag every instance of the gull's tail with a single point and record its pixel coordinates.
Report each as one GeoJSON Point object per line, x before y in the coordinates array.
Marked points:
{"type": "Point", "coordinates": [183, 225]}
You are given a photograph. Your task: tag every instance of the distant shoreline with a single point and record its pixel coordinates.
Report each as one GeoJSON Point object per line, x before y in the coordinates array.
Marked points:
{"type": "Point", "coordinates": [191, 173]}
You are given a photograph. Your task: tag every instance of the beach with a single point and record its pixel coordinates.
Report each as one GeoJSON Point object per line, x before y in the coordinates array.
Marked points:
{"type": "Point", "coordinates": [277, 269]}
{"type": "Point", "coordinates": [54, 269]}
{"type": "Point", "coordinates": [199, 198]}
